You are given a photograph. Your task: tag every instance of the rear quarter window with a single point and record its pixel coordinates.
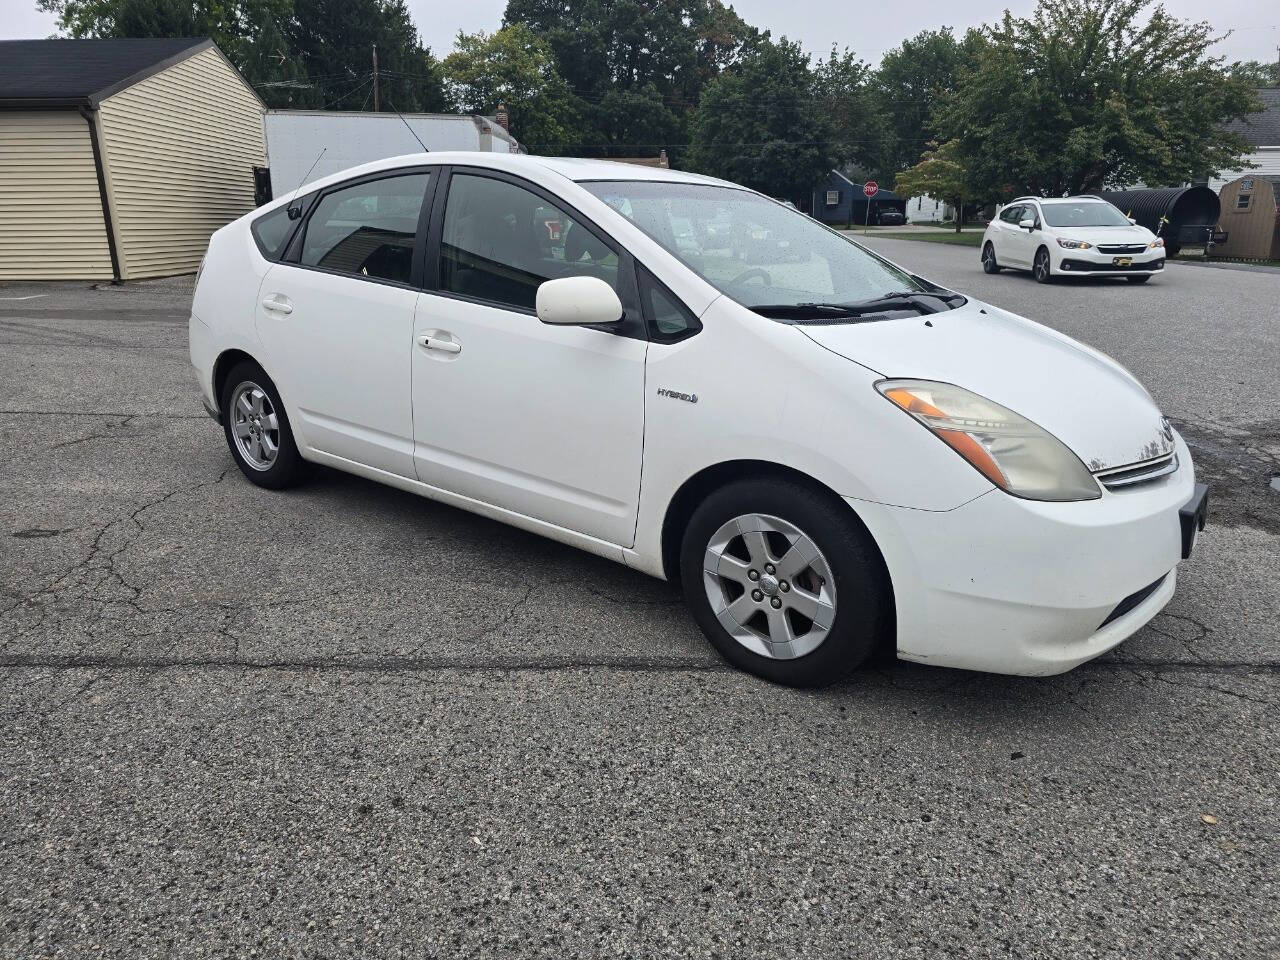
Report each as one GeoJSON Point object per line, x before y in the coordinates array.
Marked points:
{"type": "Point", "coordinates": [272, 232]}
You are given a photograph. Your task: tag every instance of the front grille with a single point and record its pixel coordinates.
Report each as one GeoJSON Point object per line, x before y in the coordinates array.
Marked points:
{"type": "Point", "coordinates": [1121, 247]}
{"type": "Point", "coordinates": [1119, 478]}
{"type": "Point", "coordinates": [1131, 602]}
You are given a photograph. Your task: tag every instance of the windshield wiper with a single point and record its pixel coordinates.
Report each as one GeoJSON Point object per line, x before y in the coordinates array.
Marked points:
{"type": "Point", "coordinates": [803, 311]}
{"type": "Point", "coordinates": [922, 301]}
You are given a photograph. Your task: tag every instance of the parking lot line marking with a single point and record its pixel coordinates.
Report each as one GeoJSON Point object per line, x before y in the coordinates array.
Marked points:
{"type": "Point", "coordinates": [34, 296]}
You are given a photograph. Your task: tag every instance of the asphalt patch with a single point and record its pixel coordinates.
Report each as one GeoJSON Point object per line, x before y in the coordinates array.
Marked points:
{"type": "Point", "coordinates": [1239, 463]}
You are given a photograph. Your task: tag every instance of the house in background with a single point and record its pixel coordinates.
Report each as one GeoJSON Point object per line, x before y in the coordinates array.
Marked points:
{"type": "Point", "coordinates": [926, 209]}
{"type": "Point", "coordinates": [1262, 130]}
{"type": "Point", "coordinates": [120, 157]}
{"type": "Point", "coordinates": [839, 201]}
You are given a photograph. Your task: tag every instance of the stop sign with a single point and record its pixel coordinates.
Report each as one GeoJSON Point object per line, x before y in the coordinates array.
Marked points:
{"type": "Point", "coordinates": [870, 189]}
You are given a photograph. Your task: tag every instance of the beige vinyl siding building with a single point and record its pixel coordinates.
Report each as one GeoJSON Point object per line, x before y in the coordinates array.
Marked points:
{"type": "Point", "coordinates": [49, 199]}
{"type": "Point", "coordinates": [125, 156]}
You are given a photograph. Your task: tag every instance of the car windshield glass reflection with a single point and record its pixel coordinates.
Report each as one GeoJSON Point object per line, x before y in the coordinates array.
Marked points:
{"type": "Point", "coordinates": [754, 249]}
{"type": "Point", "coordinates": [1095, 214]}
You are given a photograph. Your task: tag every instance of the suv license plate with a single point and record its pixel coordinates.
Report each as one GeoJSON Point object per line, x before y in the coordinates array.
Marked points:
{"type": "Point", "coordinates": [1122, 261]}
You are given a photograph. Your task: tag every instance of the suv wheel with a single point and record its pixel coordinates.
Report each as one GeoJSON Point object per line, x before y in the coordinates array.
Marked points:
{"type": "Point", "coordinates": [257, 429]}
{"type": "Point", "coordinates": [1040, 267]}
{"type": "Point", "coordinates": [989, 264]}
{"type": "Point", "coordinates": [785, 582]}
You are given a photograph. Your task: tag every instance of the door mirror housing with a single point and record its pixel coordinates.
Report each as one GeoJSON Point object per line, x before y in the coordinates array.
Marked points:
{"type": "Point", "coordinates": [574, 301]}
{"type": "Point", "coordinates": [1027, 224]}
{"type": "Point", "coordinates": [1132, 221]}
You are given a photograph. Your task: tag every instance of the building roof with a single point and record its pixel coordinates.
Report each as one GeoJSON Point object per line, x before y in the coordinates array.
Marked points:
{"type": "Point", "coordinates": [69, 73]}
{"type": "Point", "coordinates": [1261, 129]}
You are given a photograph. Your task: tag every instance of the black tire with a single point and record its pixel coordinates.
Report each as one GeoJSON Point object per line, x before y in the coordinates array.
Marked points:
{"type": "Point", "coordinates": [1041, 266]}
{"type": "Point", "coordinates": [286, 468]}
{"type": "Point", "coordinates": [1139, 279]}
{"type": "Point", "coordinates": [863, 620]}
{"type": "Point", "coordinates": [989, 264]}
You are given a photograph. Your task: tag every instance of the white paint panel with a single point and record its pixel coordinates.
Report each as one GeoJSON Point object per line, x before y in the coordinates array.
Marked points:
{"type": "Point", "coordinates": [51, 223]}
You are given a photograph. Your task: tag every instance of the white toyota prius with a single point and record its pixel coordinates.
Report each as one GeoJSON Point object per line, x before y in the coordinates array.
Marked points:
{"type": "Point", "coordinates": [826, 452]}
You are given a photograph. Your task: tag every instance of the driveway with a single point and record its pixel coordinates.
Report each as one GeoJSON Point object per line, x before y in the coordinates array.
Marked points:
{"type": "Point", "coordinates": [346, 721]}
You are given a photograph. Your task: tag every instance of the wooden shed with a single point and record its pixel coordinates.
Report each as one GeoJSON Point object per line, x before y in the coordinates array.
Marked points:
{"type": "Point", "coordinates": [118, 158]}
{"type": "Point", "coordinates": [1251, 218]}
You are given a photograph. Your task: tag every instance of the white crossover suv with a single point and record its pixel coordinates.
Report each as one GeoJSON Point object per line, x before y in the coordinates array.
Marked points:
{"type": "Point", "coordinates": [1070, 236]}
{"type": "Point", "coordinates": [826, 452]}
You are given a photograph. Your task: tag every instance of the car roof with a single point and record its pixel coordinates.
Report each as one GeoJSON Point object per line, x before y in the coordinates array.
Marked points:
{"type": "Point", "coordinates": [577, 170]}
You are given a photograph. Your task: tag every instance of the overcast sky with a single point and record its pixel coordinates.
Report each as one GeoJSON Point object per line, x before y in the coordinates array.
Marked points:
{"type": "Point", "coordinates": [869, 29]}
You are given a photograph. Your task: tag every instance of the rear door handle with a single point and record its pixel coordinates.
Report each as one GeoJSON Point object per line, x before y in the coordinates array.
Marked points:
{"type": "Point", "coordinates": [277, 304]}
{"type": "Point", "coordinates": [436, 343]}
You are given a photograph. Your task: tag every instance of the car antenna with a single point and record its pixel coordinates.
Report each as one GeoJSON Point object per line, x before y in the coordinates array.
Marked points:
{"type": "Point", "coordinates": [293, 212]}
{"type": "Point", "coordinates": [407, 127]}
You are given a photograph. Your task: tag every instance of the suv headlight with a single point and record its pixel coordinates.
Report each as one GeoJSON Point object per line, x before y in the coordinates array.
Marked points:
{"type": "Point", "coordinates": [1015, 454]}
{"type": "Point", "coordinates": [1157, 242]}
{"type": "Point", "coordinates": [1075, 244]}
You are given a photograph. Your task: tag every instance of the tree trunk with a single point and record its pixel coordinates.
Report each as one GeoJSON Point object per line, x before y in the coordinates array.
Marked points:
{"type": "Point", "coordinates": [959, 215]}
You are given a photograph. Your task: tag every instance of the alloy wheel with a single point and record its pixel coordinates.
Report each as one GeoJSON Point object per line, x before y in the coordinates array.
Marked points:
{"type": "Point", "coordinates": [255, 426]}
{"type": "Point", "coordinates": [769, 586]}
{"type": "Point", "coordinates": [1042, 266]}
{"type": "Point", "coordinates": [989, 259]}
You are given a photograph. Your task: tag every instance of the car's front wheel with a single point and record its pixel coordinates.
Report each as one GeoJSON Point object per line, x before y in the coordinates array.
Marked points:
{"type": "Point", "coordinates": [257, 429]}
{"type": "Point", "coordinates": [989, 264]}
{"type": "Point", "coordinates": [785, 582]}
{"type": "Point", "coordinates": [1040, 267]}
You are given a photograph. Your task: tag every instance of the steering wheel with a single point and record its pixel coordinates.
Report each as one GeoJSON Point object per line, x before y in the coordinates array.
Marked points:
{"type": "Point", "coordinates": [751, 274]}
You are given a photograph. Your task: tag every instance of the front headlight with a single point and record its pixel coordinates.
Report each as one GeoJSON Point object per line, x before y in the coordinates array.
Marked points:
{"type": "Point", "coordinates": [1157, 242]}
{"type": "Point", "coordinates": [1015, 454]}
{"type": "Point", "coordinates": [1075, 244]}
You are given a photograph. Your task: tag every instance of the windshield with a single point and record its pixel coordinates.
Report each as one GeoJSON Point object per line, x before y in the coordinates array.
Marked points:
{"type": "Point", "coordinates": [755, 250]}
{"type": "Point", "coordinates": [1092, 214]}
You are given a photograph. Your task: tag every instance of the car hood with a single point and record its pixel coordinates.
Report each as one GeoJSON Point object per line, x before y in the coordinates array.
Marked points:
{"type": "Point", "coordinates": [1105, 234]}
{"type": "Point", "coordinates": [1081, 396]}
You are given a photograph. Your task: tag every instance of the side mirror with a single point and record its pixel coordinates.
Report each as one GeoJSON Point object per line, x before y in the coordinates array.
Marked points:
{"type": "Point", "coordinates": [1027, 224]}
{"type": "Point", "coordinates": [1132, 221]}
{"type": "Point", "coordinates": [577, 300]}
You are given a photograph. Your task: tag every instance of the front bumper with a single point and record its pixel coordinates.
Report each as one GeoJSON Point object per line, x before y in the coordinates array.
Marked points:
{"type": "Point", "coordinates": [1096, 263]}
{"type": "Point", "coordinates": [1015, 586]}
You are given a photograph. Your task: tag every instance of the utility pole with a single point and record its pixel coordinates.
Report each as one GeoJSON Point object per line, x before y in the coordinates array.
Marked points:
{"type": "Point", "coordinates": [377, 103]}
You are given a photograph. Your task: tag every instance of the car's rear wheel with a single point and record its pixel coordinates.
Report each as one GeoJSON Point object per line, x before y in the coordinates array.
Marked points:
{"type": "Point", "coordinates": [1143, 278]}
{"type": "Point", "coordinates": [989, 264]}
{"type": "Point", "coordinates": [1040, 267]}
{"type": "Point", "coordinates": [257, 429]}
{"type": "Point", "coordinates": [785, 582]}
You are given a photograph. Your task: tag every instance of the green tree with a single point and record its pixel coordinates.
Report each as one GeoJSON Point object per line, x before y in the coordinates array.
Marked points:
{"type": "Point", "coordinates": [514, 67]}
{"type": "Point", "coordinates": [1255, 73]}
{"type": "Point", "coordinates": [636, 68]}
{"type": "Point", "coordinates": [846, 89]}
{"type": "Point", "coordinates": [334, 40]}
{"type": "Point", "coordinates": [760, 124]}
{"type": "Point", "coordinates": [912, 80]}
{"type": "Point", "coordinates": [941, 174]}
{"type": "Point", "coordinates": [1087, 94]}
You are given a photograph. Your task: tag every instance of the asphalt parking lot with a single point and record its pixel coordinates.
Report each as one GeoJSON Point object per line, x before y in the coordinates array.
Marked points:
{"type": "Point", "coordinates": [345, 721]}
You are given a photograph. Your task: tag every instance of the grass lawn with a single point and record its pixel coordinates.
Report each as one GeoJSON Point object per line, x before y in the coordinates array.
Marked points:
{"type": "Point", "coordinates": [966, 239]}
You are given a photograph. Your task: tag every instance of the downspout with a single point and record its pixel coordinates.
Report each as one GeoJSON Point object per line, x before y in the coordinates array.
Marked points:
{"type": "Point", "coordinates": [90, 116]}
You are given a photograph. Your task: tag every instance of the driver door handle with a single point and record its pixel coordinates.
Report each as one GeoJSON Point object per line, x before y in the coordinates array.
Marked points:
{"type": "Point", "coordinates": [277, 304]}
{"type": "Point", "coordinates": [436, 343]}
